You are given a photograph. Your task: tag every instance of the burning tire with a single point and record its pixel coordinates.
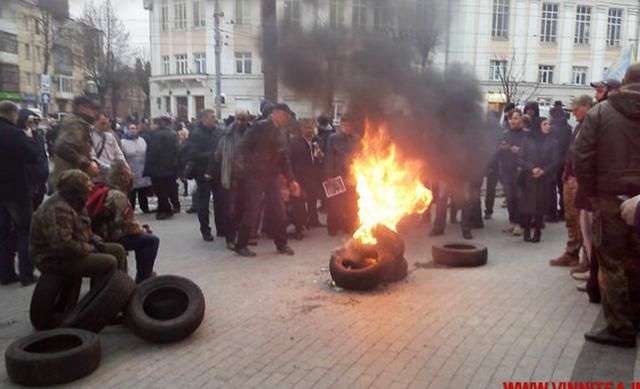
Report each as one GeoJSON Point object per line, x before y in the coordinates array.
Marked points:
{"type": "Point", "coordinates": [165, 309]}
{"type": "Point", "coordinates": [102, 303]}
{"type": "Point", "coordinates": [53, 297]}
{"type": "Point", "coordinates": [355, 274]}
{"type": "Point", "coordinates": [52, 357]}
{"type": "Point", "coordinates": [397, 270]}
{"type": "Point", "coordinates": [460, 254]}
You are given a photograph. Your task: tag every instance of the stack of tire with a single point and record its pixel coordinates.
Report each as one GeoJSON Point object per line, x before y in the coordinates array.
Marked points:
{"type": "Point", "coordinates": [160, 310]}
{"type": "Point", "coordinates": [358, 266]}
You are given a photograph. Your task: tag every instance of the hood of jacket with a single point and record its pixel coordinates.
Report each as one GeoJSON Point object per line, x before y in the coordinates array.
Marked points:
{"type": "Point", "coordinates": [121, 177]}
{"type": "Point", "coordinates": [72, 187]}
{"type": "Point", "coordinates": [626, 100]}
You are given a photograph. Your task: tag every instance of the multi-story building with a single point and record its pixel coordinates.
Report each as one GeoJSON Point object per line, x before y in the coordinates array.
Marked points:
{"type": "Point", "coordinates": [553, 49]}
{"type": "Point", "coordinates": [9, 69]}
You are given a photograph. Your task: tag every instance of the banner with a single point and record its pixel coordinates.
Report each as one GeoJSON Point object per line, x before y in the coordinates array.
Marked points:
{"type": "Point", "coordinates": [619, 67]}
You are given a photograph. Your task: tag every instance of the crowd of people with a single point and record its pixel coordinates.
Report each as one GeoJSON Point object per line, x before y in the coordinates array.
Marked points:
{"type": "Point", "coordinates": [266, 173]}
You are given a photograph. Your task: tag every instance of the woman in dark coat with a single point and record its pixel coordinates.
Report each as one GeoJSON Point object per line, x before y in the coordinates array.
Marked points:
{"type": "Point", "coordinates": [538, 162]}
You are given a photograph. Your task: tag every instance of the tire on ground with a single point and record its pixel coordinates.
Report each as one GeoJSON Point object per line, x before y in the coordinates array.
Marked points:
{"type": "Point", "coordinates": [52, 357]}
{"type": "Point", "coordinates": [165, 309]}
{"type": "Point", "coordinates": [460, 254]}
{"type": "Point", "coordinates": [53, 297]}
{"type": "Point", "coordinates": [102, 304]}
{"type": "Point", "coordinates": [355, 273]}
{"type": "Point", "coordinates": [396, 270]}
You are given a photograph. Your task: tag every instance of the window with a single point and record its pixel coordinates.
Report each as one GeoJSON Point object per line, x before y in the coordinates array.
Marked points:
{"type": "Point", "coordinates": [336, 13]}
{"type": "Point", "coordinates": [164, 14]}
{"type": "Point", "coordinates": [583, 25]}
{"type": "Point", "coordinates": [65, 84]}
{"type": "Point", "coordinates": [500, 23]}
{"type": "Point", "coordinates": [180, 15]}
{"type": "Point", "coordinates": [199, 63]}
{"type": "Point", "coordinates": [579, 75]}
{"type": "Point", "coordinates": [359, 16]}
{"type": "Point", "coordinates": [28, 80]}
{"type": "Point", "coordinates": [497, 70]}
{"type": "Point", "coordinates": [614, 27]}
{"type": "Point", "coordinates": [198, 14]}
{"type": "Point", "coordinates": [382, 19]}
{"type": "Point", "coordinates": [25, 22]}
{"type": "Point", "coordinates": [9, 77]}
{"type": "Point", "coordinates": [166, 65]}
{"type": "Point", "coordinates": [243, 63]}
{"type": "Point", "coordinates": [8, 43]}
{"type": "Point", "coordinates": [38, 54]}
{"type": "Point", "coordinates": [549, 26]}
{"type": "Point", "coordinates": [27, 51]}
{"type": "Point", "coordinates": [36, 22]}
{"type": "Point", "coordinates": [545, 74]}
{"type": "Point", "coordinates": [292, 13]}
{"type": "Point", "coordinates": [181, 64]}
{"type": "Point", "coordinates": [243, 12]}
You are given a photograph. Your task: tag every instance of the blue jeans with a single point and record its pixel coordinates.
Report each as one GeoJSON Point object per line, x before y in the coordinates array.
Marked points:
{"type": "Point", "coordinates": [203, 198]}
{"type": "Point", "coordinates": [254, 187]}
{"type": "Point", "coordinates": [146, 249]}
{"type": "Point", "coordinates": [15, 214]}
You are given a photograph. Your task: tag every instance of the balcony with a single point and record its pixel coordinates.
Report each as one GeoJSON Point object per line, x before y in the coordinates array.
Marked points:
{"type": "Point", "coordinates": [172, 80]}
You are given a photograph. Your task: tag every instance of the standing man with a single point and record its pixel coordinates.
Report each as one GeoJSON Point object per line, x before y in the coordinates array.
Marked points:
{"type": "Point", "coordinates": [200, 146]}
{"type": "Point", "coordinates": [106, 148]}
{"type": "Point", "coordinates": [606, 155]}
{"type": "Point", "coordinates": [73, 146]}
{"type": "Point", "coordinates": [161, 165]}
{"type": "Point", "coordinates": [342, 212]}
{"type": "Point", "coordinates": [604, 87]}
{"type": "Point", "coordinates": [306, 160]}
{"type": "Point", "coordinates": [265, 153]}
{"type": "Point", "coordinates": [17, 150]}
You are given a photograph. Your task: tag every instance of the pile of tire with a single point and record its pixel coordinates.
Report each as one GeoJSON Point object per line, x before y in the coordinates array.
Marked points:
{"type": "Point", "coordinates": [359, 266]}
{"type": "Point", "coordinates": [160, 310]}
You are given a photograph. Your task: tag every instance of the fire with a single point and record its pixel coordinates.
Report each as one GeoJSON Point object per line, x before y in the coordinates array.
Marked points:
{"type": "Point", "coordinates": [388, 185]}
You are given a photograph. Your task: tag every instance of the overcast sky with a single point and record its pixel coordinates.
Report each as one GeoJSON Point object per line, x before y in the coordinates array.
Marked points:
{"type": "Point", "coordinates": [132, 14]}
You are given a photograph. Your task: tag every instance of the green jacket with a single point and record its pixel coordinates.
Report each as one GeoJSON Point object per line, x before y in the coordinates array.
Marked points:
{"type": "Point", "coordinates": [73, 148]}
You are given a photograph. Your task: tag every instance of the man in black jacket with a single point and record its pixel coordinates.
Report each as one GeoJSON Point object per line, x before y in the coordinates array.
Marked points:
{"type": "Point", "coordinates": [607, 165]}
{"type": "Point", "coordinates": [265, 153]}
{"type": "Point", "coordinates": [17, 150]}
{"type": "Point", "coordinates": [160, 164]}
{"type": "Point", "coordinates": [200, 145]}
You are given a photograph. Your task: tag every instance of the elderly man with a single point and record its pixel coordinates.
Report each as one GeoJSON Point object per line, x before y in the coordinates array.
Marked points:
{"type": "Point", "coordinates": [606, 155]}
{"type": "Point", "coordinates": [73, 146]}
{"type": "Point", "coordinates": [106, 149]}
{"type": "Point", "coordinates": [17, 151]}
{"type": "Point", "coordinates": [266, 155]}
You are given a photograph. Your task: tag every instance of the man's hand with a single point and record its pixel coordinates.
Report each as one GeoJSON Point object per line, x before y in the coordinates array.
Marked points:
{"type": "Point", "coordinates": [208, 177]}
{"type": "Point", "coordinates": [628, 210]}
{"type": "Point", "coordinates": [294, 187]}
{"type": "Point", "coordinates": [147, 229]}
{"type": "Point", "coordinates": [515, 149]}
{"type": "Point", "coordinates": [537, 172]}
{"type": "Point", "coordinates": [92, 169]}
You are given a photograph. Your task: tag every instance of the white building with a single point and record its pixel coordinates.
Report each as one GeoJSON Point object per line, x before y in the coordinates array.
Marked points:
{"type": "Point", "coordinates": [557, 47]}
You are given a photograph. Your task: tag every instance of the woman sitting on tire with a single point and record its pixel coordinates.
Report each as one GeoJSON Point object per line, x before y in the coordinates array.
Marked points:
{"type": "Point", "coordinates": [61, 240]}
{"type": "Point", "coordinates": [112, 219]}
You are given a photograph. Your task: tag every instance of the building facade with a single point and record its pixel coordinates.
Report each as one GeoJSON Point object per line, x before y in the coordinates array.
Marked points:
{"type": "Point", "coordinates": [554, 49]}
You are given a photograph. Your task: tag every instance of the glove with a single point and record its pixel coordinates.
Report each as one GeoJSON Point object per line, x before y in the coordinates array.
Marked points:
{"type": "Point", "coordinates": [628, 210]}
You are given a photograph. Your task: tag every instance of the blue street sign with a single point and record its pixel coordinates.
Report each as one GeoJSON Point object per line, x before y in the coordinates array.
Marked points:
{"type": "Point", "coordinates": [45, 98]}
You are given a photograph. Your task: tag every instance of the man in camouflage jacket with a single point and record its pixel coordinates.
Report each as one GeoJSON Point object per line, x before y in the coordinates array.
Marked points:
{"type": "Point", "coordinates": [112, 219]}
{"type": "Point", "coordinates": [61, 240]}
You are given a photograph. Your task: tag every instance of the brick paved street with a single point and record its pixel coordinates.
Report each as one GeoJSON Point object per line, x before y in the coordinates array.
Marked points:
{"type": "Point", "coordinates": [273, 321]}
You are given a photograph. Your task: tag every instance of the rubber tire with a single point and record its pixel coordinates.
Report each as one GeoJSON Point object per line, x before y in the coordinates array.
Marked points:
{"type": "Point", "coordinates": [37, 368]}
{"type": "Point", "coordinates": [101, 305]}
{"type": "Point", "coordinates": [458, 254]}
{"type": "Point", "coordinates": [396, 270]}
{"type": "Point", "coordinates": [53, 297]}
{"type": "Point", "coordinates": [155, 315]}
{"type": "Point", "coordinates": [366, 278]}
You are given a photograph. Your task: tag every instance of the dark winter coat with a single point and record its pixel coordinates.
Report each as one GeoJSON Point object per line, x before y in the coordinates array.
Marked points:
{"type": "Point", "coordinates": [200, 145]}
{"type": "Point", "coordinates": [561, 130]}
{"type": "Point", "coordinates": [38, 172]}
{"type": "Point", "coordinates": [264, 150]}
{"type": "Point", "coordinates": [306, 168]}
{"type": "Point", "coordinates": [538, 151]}
{"type": "Point", "coordinates": [509, 159]}
{"type": "Point", "coordinates": [16, 152]}
{"type": "Point", "coordinates": [341, 149]}
{"type": "Point", "coordinates": [162, 154]}
{"type": "Point", "coordinates": [607, 150]}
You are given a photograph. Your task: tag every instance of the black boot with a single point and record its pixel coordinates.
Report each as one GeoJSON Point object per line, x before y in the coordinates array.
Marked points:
{"type": "Point", "coordinates": [527, 235]}
{"type": "Point", "coordinates": [536, 236]}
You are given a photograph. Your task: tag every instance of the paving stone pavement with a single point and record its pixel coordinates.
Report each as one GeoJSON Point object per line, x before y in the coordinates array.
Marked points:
{"type": "Point", "coordinates": [274, 321]}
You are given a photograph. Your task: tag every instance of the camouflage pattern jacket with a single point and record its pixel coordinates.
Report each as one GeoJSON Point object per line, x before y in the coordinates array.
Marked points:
{"type": "Point", "coordinates": [73, 148]}
{"type": "Point", "coordinates": [59, 231]}
{"type": "Point", "coordinates": [116, 218]}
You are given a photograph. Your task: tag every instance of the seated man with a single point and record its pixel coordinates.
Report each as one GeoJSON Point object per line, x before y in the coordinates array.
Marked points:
{"type": "Point", "coordinates": [112, 219]}
{"type": "Point", "coordinates": [61, 239]}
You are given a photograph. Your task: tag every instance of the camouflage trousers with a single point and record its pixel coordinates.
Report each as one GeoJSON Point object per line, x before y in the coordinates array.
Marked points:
{"type": "Point", "coordinates": [572, 217]}
{"type": "Point", "coordinates": [617, 249]}
{"type": "Point", "coordinates": [113, 257]}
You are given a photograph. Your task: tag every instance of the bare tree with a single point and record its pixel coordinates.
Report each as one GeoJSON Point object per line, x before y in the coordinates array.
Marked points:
{"type": "Point", "coordinates": [512, 82]}
{"type": "Point", "coordinates": [142, 74]}
{"type": "Point", "coordinates": [105, 50]}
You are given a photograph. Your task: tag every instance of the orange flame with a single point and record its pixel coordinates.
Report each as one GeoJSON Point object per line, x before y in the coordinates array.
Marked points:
{"type": "Point", "coordinates": [388, 185]}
